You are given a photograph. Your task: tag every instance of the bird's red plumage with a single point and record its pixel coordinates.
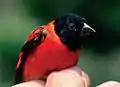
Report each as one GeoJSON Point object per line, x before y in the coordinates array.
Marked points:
{"type": "Point", "coordinates": [50, 55]}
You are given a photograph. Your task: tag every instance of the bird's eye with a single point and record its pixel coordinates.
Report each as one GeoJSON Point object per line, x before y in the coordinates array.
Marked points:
{"type": "Point", "coordinates": [72, 27]}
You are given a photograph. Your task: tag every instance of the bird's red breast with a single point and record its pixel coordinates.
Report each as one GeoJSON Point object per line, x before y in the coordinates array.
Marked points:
{"type": "Point", "coordinates": [51, 55]}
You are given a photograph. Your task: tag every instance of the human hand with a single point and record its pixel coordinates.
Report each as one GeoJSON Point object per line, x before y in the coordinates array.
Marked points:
{"type": "Point", "coordinates": [33, 83]}
{"type": "Point", "coordinates": [110, 84]}
{"type": "Point", "coordinates": [71, 77]}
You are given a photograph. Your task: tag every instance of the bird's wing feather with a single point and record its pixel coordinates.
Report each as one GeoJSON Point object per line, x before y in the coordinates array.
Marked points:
{"type": "Point", "coordinates": [35, 38]}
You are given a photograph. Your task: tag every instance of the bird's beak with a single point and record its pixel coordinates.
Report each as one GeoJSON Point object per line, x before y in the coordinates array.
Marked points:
{"type": "Point", "coordinates": [87, 30]}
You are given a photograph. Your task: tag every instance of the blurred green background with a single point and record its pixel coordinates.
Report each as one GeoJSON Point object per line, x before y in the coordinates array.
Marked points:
{"type": "Point", "coordinates": [101, 56]}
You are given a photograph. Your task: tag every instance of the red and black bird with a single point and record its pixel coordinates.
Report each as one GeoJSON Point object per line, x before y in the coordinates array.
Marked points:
{"type": "Point", "coordinates": [52, 47]}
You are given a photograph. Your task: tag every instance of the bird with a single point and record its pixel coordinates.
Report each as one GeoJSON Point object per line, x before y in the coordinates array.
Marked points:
{"type": "Point", "coordinates": [52, 47]}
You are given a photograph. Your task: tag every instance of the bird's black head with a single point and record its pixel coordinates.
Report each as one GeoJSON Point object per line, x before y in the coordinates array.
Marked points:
{"type": "Point", "coordinates": [71, 28]}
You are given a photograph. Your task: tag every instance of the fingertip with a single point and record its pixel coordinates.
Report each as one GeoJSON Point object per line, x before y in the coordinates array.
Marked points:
{"type": "Point", "coordinates": [110, 84]}
{"type": "Point", "coordinates": [74, 76]}
{"type": "Point", "coordinates": [64, 79]}
{"type": "Point", "coordinates": [34, 83]}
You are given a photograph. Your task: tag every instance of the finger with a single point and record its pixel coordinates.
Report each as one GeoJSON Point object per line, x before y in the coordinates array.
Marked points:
{"type": "Point", "coordinates": [71, 77]}
{"type": "Point", "coordinates": [110, 84]}
{"type": "Point", "coordinates": [86, 79]}
{"type": "Point", "coordinates": [34, 83]}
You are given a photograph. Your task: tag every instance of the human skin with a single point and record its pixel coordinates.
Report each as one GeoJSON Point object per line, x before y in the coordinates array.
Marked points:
{"type": "Point", "coordinates": [110, 84]}
{"type": "Point", "coordinates": [74, 76]}
{"type": "Point", "coordinates": [71, 77]}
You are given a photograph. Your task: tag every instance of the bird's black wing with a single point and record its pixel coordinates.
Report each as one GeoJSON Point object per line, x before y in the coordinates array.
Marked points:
{"type": "Point", "coordinates": [33, 41]}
